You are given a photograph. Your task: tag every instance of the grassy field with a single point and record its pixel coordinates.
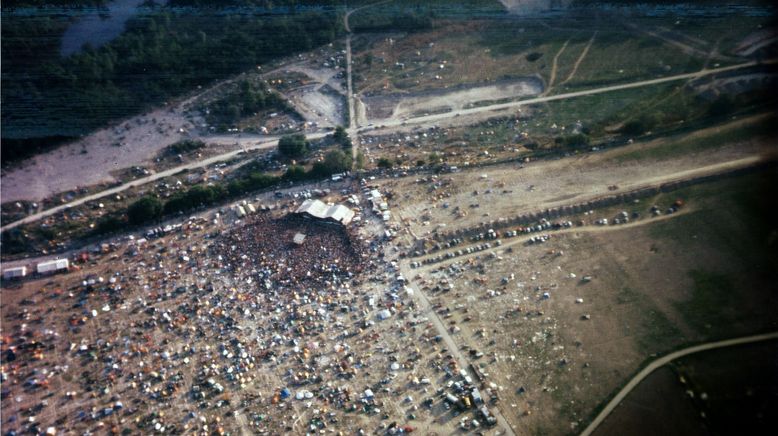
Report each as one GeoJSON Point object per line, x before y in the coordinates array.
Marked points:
{"type": "Point", "coordinates": [503, 47]}
{"type": "Point", "coordinates": [725, 135]}
{"type": "Point", "coordinates": [739, 386]}
{"type": "Point", "coordinates": [724, 391]}
{"type": "Point", "coordinates": [655, 287]}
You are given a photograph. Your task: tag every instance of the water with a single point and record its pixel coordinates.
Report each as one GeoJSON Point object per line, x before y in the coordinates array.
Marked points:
{"type": "Point", "coordinates": [98, 26]}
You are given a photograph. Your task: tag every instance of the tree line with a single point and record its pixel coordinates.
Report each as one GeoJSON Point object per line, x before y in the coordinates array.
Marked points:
{"type": "Point", "coordinates": [248, 99]}
{"type": "Point", "coordinates": [165, 52]}
{"type": "Point", "coordinates": [151, 208]}
{"type": "Point", "coordinates": [161, 55]}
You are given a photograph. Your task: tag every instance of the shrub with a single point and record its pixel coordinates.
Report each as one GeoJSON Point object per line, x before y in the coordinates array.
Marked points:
{"type": "Point", "coordinates": [144, 210]}
{"type": "Point", "coordinates": [384, 163]}
{"type": "Point", "coordinates": [293, 145]}
{"type": "Point", "coordinates": [185, 146]}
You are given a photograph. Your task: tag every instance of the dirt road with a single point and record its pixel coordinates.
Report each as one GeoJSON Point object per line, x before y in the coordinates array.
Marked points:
{"type": "Point", "coordinates": [653, 366]}
{"type": "Point", "coordinates": [352, 114]}
{"type": "Point", "coordinates": [552, 77]}
{"type": "Point", "coordinates": [463, 363]}
{"type": "Point", "coordinates": [268, 144]}
{"type": "Point", "coordinates": [523, 240]}
{"type": "Point", "coordinates": [431, 119]}
{"type": "Point", "coordinates": [580, 59]}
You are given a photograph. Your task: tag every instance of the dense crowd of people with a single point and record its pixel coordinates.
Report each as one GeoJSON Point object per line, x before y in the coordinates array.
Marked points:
{"type": "Point", "coordinates": [265, 248]}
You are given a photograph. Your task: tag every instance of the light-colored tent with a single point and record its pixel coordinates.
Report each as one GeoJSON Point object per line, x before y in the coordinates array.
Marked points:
{"type": "Point", "coordinates": [317, 209]}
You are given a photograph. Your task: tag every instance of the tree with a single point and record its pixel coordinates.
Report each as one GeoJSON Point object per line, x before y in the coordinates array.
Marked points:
{"type": "Point", "coordinates": [341, 137]}
{"type": "Point", "coordinates": [340, 134]}
{"type": "Point", "coordinates": [293, 145]}
{"type": "Point", "coordinates": [295, 173]}
{"type": "Point", "coordinates": [360, 163]}
{"type": "Point", "coordinates": [146, 209]}
{"type": "Point", "coordinates": [385, 163]}
{"type": "Point", "coordinates": [109, 224]}
{"type": "Point", "coordinates": [336, 161]}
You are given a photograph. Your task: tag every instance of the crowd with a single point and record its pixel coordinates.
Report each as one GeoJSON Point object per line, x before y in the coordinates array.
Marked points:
{"type": "Point", "coordinates": [265, 249]}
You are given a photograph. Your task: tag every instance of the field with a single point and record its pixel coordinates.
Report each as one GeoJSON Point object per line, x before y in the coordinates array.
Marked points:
{"type": "Point", "coordinates": [729, 390]}
{"type": "Point", "coordinates": [531, 210]}
{"type": "Point", "coordinates": [506, 190]}
{"type": "Point", "coordinates": [611, 49]}
{"type": "Point", "coordinates": [654, 286]}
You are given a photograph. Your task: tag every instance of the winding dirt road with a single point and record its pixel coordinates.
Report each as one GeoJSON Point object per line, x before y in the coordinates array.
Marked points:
{"type": "Point", "coordinates": [653, 366]}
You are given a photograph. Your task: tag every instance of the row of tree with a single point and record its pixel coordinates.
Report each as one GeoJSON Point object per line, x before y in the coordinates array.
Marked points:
{"type": "Point", "coordinates": [151, 208]}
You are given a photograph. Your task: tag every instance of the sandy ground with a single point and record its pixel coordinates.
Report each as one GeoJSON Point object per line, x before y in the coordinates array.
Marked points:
{"type": "Point", "coordinates": [459, 99]}
{"type": "Point", "coordinates": [324, 76]}
{"type": "Point", "coordinates": [511, 189]}
{"type": "Point", "coordinates": [95, 157]}
{"type": "Point", "coordinates": [325, 108]}
{"type": "Point", "coordinates": [380, 108]}
{"type": "Point", "coordinates": [69, 167]}
{"type": "Point", "coordinates": [322, 100]}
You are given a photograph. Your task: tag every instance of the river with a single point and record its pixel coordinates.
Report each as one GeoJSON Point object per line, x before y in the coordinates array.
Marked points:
{"type": "Point", "coordinates": [98, 26]}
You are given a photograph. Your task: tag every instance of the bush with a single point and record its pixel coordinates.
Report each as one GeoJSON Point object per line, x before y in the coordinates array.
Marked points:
{"type": "Point", "coordinates": [722, 106]}
{"type": "Point", "coordinates": [295, 173]}
{"type": "Point", "coordinates": [109, 224]}
{"type": "Point", "coordinates": [248, 99]}
{"type": "Point", "coordinates": [573, 141]}
{"type": "Point", "coordinates": [639, 126]}
{"type": "Point", "coordinates": [293, 145]}
{"type": "Point", "coordinates": [196, 196]}
{"type": "Point", "coordinates": [144, 210]}
{"type": "Point", "coordinates": [15, 241]}
{"type": "Point", "coordinates": [532, 57]}
{"type": "Point", "coordinates": [384, 163]}
{"type": "Point", "coordinates": [185, 146]}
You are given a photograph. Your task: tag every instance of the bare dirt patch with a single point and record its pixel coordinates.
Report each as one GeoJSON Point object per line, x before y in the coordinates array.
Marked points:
{"type": "Point", "coordinates": [407, 105]}
{"type": "Point", "coordinates": [92, 159]}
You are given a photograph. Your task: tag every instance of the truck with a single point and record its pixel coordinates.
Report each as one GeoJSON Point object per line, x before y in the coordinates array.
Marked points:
{"type": "Point", "coordinates": [487, 415]}
{"type": "Point", "coordinates": [53, 266]}
{"type": "Point", "coordinates": [15, 273]}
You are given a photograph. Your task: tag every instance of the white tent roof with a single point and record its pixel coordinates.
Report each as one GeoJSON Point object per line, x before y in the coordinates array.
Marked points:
{"type": "Point", "coordinates": [318, 209]}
